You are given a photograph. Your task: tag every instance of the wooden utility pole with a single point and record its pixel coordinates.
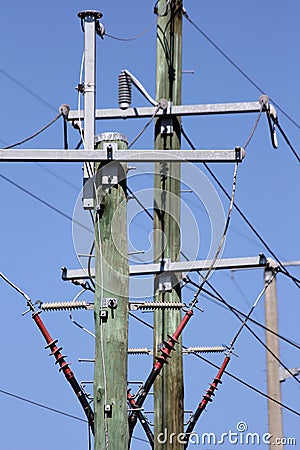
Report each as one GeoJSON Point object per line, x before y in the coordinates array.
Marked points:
{"type": "Point", "coordinates": [168, 388]}
{"type": "Point", "coordinates": [272, 342]}
{"type": "Point", "coordinates": [111, 300]}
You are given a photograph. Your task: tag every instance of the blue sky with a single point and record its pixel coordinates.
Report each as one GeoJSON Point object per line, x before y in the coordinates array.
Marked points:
{"type": "Point", "coordinates": [41, 52]}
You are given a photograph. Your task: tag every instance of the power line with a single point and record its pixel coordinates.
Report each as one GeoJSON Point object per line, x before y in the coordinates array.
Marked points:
{"type": "Point", "coordinates": [253, 388]}
{"type": "Point", "coordinates": [239, 380]}
{"type": "Point", "coordinates": [49, 408]}
{"type": "Point", "coordinates": [56, 175]}
{"type": "Point", "coordinates": [36, 133]}
{"type": "Point", "coordinates": [218, 298]}
{"type": "Point", "coordinates": [286, 139]}
{"type": "Point", "coordinates": [241, 212]}
{"type": "Point", "coordinates": [41, 405]}
{"type": "Point", "coordinates": [244, 324]}
{"type": "Point", "coordinates": [145, 127]}
{"type": "Point", "coordinates": [44, 202]}
{"type": "Point", "coordinates": [31, 92]}
{"type": "Point", "coordinates": [133, 38]}
{"type": "Point", "coordinates": [237, 67]}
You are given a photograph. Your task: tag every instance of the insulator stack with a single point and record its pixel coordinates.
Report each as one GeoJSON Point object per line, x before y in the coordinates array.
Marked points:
{"type": "Point", "coordinates": [56, 306]}
{"type": "Point", "coordinates": [161, 305]}
{"type": "Point", "coordinates": [124, 90]}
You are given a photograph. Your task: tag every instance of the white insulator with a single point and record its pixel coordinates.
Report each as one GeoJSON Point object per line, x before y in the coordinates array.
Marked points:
{"type": "Point", "coordinates": [139, 351]}
{"type": "Point", "coordinates": [124, 90]}
{"type": "Point", "coordinates": [161, 305]}
{"type": "Point", "coordinates": [55, 306]}
{"type": "Point", "coordinates": [215, 349]}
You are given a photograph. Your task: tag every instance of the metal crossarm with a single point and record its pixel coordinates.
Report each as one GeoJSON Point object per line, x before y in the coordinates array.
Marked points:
{"type": "Point", "coordinates": [180, 266]}
{"type": "Point", "coordinates": [172, 110]}
{"type": "Point", "coordinates": [53, 155]}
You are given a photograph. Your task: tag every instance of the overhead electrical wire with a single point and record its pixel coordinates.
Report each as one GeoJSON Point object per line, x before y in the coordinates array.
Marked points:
{"type": "Point", "coordinates": [220, 301]}
{"type": "Point", "coordinates": [27, 89]}
{"type": "Point", "coordinates": [132, 38]}
{"type": "Point", "coordinates": [244, 217]}
{"type": "Point", "coordinates": [145, 127]}
{"type": "Point", "coordinates": [219, 297]}
{"type": "Point", "coordinates": [238, 314]}
{"type": "Point", "coordinates": [185, 14]}
{"type": "Point", "coordinates": [239, 380]}
{"type": "Point", "coordinates": [217, 379]}
{"type": "Point", "coordinates": [244, 324]}
{"type": "Point", "coordinates": [222, 240]}
{"type": "Point", "coordinates": [36, 133]}
{"type": "Point", "coordinates": [54, 410]}
{"type": "Point", "coordinates": [41, 405]}
{"type": "Point", "coordinates": [276, 122]}
{"type": "Point", "coordinates": [44, 202]}
{"type": "Point", "coordinates": [253, 388]}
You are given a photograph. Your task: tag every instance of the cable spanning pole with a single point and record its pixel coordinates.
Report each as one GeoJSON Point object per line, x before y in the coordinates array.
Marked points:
{"type": "Point", "coordinates": [272, 342]}
{"type": "Point", "coordinates": [168, 388]}
{"type": "Point", "coordinates": [111, 300]}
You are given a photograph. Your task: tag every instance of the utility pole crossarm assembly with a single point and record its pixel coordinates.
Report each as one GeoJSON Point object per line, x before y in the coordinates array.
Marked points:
{"type": "Point", "coordinates": [171, 110]}
{"type": "Point", "coordinates": [251, 262]}
{"type": "Point", "coordinates": [122, 155]}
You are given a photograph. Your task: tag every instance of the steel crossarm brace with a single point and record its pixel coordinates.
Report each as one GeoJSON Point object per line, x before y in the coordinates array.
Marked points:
{"type": "Point", "coordinates": [172, 110]}
{"type": "Point", "coordinates": [181, 266]}
{"type": "Point", "coordinates": [53, 155]}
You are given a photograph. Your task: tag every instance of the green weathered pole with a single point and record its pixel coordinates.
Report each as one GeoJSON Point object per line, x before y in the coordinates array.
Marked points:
{"type": "Point", "coordinates": [168, 389]}
{"type": "Point", "coordinates": [111, 301]}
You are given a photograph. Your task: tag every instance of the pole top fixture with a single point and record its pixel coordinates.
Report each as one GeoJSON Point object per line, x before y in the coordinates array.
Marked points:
{"type": "Point", "coordinates": [92, 13]}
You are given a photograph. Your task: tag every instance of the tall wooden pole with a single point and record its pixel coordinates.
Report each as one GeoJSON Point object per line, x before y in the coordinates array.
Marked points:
{"type": "Point", "coordinates": [168, 389]}
{"type": "Point", "coordinates": [272, 342]}
{"type": "Point", "coordinates": [111, 301]}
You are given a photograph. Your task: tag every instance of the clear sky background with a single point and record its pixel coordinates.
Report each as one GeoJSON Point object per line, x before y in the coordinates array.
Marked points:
{"type": "Point", "coordinates": [41, 49]}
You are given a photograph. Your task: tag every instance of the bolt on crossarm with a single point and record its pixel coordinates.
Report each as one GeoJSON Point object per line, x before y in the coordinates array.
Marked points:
{"type": "Point", "coordinates": [168, 388]}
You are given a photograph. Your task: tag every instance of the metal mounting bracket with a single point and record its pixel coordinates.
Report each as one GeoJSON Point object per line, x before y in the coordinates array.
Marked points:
{"type": "Point", "coordinates": [109, 302]}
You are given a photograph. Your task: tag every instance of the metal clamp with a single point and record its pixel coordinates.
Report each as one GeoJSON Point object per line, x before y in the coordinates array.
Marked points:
{"type": "Point", "coordinates": [109, 302]}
